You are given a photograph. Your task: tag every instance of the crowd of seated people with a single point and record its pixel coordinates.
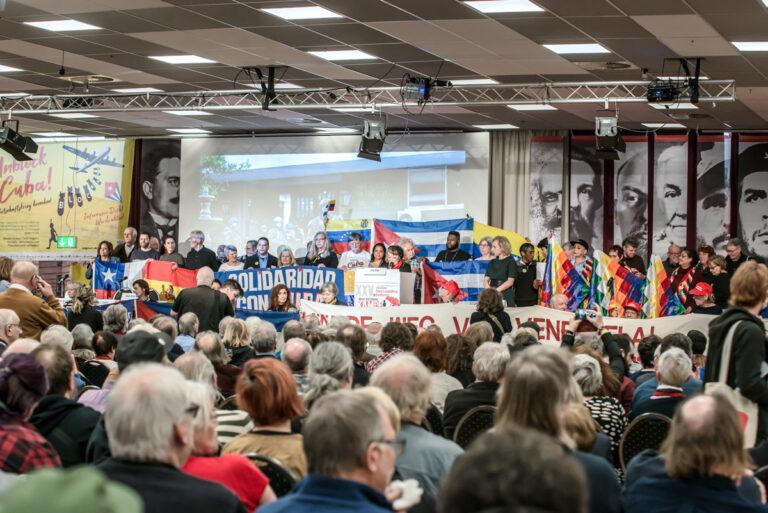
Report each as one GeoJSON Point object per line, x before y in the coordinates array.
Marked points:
{"type": "Point", "coordinates": [177, 410]}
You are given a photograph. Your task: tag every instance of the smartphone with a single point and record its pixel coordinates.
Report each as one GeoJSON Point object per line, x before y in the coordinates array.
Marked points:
{"type": "Point", "coordinates": [583, 313]}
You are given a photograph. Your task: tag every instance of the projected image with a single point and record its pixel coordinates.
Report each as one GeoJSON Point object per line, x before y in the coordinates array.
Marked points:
{"type": "Point", "coordinates": [241, 189]}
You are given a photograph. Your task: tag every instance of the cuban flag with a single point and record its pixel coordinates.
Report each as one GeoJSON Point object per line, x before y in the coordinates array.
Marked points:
{"type": "Point", "coordinates": [108, 278]}
{"type": "Point", "coordinates": [112, 191]}
{"type": "Point", "coordinates": [429, 236]}
{"type": "Point", "coordinates": [468, 275]}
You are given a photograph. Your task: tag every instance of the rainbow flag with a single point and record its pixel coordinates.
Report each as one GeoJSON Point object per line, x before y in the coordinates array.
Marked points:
{"type": "Point", "coordinates": [660, 299]}
{"type": "Point", "coordinates": [560, 277]}
{"type": "Point", "coordinates": [166, 281]}
{"type": "Point", "coordinates": [338, 231]}
{"type": "Point", "coordinates": [613, 283]}
{"type": "Point", "coordinates": [481, 230]}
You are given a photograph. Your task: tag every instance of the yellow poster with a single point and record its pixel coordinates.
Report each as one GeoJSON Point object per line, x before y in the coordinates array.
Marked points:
{"type": "Point", "coordinates": [59, 205]}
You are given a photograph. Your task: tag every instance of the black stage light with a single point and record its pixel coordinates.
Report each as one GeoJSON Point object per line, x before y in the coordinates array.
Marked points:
{"type": "Point", "coordinates": [17, 145]}
{"type": "Point", "coordinates": [372, 141]}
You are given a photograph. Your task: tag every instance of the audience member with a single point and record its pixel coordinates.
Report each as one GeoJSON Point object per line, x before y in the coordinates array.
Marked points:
{"type": "Point", "coordinates": [82, 310]}
{"type": "Point", "coordinates": [189, 327]}
{"type": "Point", "coordinates": [66, 424]}
{"type": "Point", "coordinates": [645, 350]}
{"type": "Point", "coordinates": [21, 346]}
{"type": "Point", "coordinates": [23, 383]}
{"type": "Point", "coordinates": [559, 302]}
{"type": "Point", "coordinates": [148, 450]}
{"type": "Point", "coordinates": [673, 369]}
{"type": "Point", "coordinates": [330, 369]}
{"type": "Point", "coordinates": [237, 342]}
{"type": "Point", "coordinates": [143, 291]}
{"type": "Point", "coordinates": [690, 387]}
{"type": "Point", "coordinates": [479, 333]}
{"type": "Point", "coordinates": [234, 471]}
{"type": "Point", "coordinates": [319, 252]}
{"type": "Point", "coordinates": [124, 249]}
{"type": "Point", "coordinates": [426, 457]}
{"type": "Point", "coordinates": [104, 345]}
{"type": "Point", "coordinates": [351, 450]}
{"type": "Point", "coordinates": [353, 336]}
{"type": "Point", "coordinates": [262, 259]}
{"type": "Point", "coordinates": [698, 350]}
{"type": "Point", "coordinates": [209, 343]}
{"type": "Point", "coordinates": [459, 358]}
{"type": "Point", "coordinates": [224, 322]}
{"type": "Point", "coordinates": [316, 337]}
{"type": "Point", "coordinates": [294, 329]}
{"type": "Point", "coordinates": [199, 256]}
{"type": "Point", "coordinates": [704, 299]}
{"type": "Point", "coordinates": [432, 349]}
{"type": "Point", "coordinates": [394, 339]}
{"type": "Point", "coordinates": [489, 364]}
{"type": "Point", "coordinates": [10, 328]}
{"type": "Point", "coordinates": [534, 395]}
{"type": "Point", "coordinates": [735, 255]}
{"type": "Point", "coordinates": [209, 305]}
{"type": "Point", "coordinates": [296, 354]}
{"type": "Point", "coordinates": [170, 252]}
{"type": "Point", "coordinates": [82, 349]}
{"type": "Point", "coordinates": [144, 251]}
{"type": "Point", "coordinates": [57, 335]}
{"type": "Point", "coordinates": [701, 464]}
{"type": "Point", "coordinates": [266, 391]}
{"type": "Point", "coordinates": [514, 470]}
{"type": "Point", "coordinates": [280, 299]}
{"type": "Point", "coordinates": [36, 314]}
{"type": "Point", "coordinates": [491, 309]}
{"type": "Point", "coordinates": [264, 340]}
{"type": "Point", "coordinates": [6, 264]}
{"type": "Point", "coordinates": [232, 263]}
{"type": "Point", "coordinates": [116, 319]}
{"type": "Point", "coordinates": [232, 289]}
{"type": "Point", "coordinates": [749, 291]}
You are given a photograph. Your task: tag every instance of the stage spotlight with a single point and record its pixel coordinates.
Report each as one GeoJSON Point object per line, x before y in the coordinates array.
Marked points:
{"type": "Point", "coordinates": [609, 141]}
{"type": "Point", "coordinates": [17, 145]}
{"type": "Point", "coordinates": [372, 142]}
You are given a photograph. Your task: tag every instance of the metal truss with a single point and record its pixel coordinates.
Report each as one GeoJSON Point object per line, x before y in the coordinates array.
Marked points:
{"type": "Point", "coordinates": [374, 98]}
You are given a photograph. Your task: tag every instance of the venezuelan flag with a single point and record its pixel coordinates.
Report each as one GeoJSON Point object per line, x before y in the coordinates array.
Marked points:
{"type": "Point", "coordinates": [481, 230]}
{"type": "Point", "coordinates": [660, 299]}
{"type": "Point", "coordinates": [338, 231]}
{"type": "Point", "coordinates": [166, 281]}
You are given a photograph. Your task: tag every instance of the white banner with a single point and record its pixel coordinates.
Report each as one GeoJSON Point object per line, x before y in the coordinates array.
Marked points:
{"type": "Point", "coordinates": [455, 319]}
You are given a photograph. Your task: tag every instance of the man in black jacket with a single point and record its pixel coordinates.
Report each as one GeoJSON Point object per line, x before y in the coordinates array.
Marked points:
{"type": "Point", "coordinates": [488, 365]}
{"type": "Point", "coordinates": [261, 259]}
{"type": "Point", "coordinates": [199, 256]}
{"type": "Point", "coordinates": [66, 424]}
{"type": "Point", "coordinates": [124, 249]}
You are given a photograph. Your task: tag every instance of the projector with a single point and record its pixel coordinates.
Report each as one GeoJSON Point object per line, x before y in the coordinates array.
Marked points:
{"type": "Point", "coordinates": [16, 144]}
{"type": "Point", "coordinates": [420, 88]}
{"type": "Point", "coordinates": [662, 92]}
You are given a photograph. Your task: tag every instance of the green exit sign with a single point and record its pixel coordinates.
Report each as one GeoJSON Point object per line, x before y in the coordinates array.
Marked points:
{"type": "Point", "coordinates": [66, 242]}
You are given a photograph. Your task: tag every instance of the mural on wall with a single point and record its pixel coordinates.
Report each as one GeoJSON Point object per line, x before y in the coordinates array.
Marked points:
{"type": "Point", "coordinates": [713, 195]}
{"type": "Point", "coordinates": [586, 193]}
{"type": "Point", "coordinates": [670, 194]}
{"type": "Point", "coordinates": [546, 187]}
{"type": "Point", "coordinates": [631, 193]}
{"type": "Point", "coordinates": [752, 196]}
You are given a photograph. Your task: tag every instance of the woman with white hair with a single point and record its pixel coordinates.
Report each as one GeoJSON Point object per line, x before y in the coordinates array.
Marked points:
{"type": "Point", "coordinates": [115, 319]}
{"type": "Point", "coordinates": [234, 471]}
{"type": "Point", "coordinates": [330, 369]}
{"type": "Point", "coordinates": [232, 263]}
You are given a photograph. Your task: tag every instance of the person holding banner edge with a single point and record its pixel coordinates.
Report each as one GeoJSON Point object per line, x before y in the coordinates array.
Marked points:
{"type": "Point", "coordinates": [502, 270]}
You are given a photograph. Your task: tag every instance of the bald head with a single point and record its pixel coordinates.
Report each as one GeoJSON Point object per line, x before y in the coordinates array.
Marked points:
{"type": "Point", "coordinates": [209, 343]}
{"type": "Point", "coordinates": [205, 276]}
{"type": "Point", "coordinates": [9, 325]}
{"type": "Point", "coordinates": [407, 381]}
{"type": "Point", "coordinates": [296, 355]}
{"type": "Point", "coordinates": [559, 302]}
{"type": "Point", "coordinates": [23, 273]}
{"type": "Point", "coordinates": [698, 412]}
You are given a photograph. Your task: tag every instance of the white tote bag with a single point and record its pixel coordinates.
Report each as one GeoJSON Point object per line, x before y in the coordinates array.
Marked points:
{"type": "Point", "coordinates": [747, 410]}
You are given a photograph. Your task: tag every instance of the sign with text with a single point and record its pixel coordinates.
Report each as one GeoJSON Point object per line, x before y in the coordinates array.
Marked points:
{"type": "Point", "coordinates": [376, 287]}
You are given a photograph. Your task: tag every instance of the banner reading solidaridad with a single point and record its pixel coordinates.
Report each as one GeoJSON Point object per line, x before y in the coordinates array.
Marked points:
{"type": "Point", "coordinates": [76, 189]}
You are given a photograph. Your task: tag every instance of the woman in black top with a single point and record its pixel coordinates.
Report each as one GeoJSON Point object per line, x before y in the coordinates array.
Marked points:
{"type": "Point", "coordinates": [491, 309]}
{"type": "Point", "coordinates": [395, 260]}
{"type": "Point", "coordinates": [502, 270]}
{"type": "Point", "coordinates": [721, 280]}
{"type": "Point", "coordinates": [379, 256]}
{"type": "Point", "coordinates": [170, 252]}
{"type": "Point", "coordinates": [320, 253]}
{"type": "Point", "coordinates": [143, 291]}
{"type": "Point", "coordinates": [82, 310]}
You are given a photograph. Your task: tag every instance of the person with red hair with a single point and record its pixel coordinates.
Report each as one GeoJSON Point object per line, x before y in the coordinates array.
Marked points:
{"type": "Point", "coordinates": [432, 349]}
{"type": "Point", "coordinates": [450, 292]}
{"type": "Point", "coordinates": [280, 299]}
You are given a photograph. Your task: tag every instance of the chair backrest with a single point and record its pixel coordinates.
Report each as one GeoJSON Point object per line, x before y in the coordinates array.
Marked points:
{"type": "Point", "coordinates": [86, 388]}
{"type": "Point", "coordinates": [281, 478]}
{"type": "Point", "coordinates": [230, 403]}
{"type": "Point", "coordinates": [472, 424]}
{"type": "Point", "coordinates": [433, 421]}
{"type": "Point", "coordinates": [647, 431]}
{"type": "Point", "coordinates": [762, 474]}
{"type": "Point", "coordinates": [94, 371]}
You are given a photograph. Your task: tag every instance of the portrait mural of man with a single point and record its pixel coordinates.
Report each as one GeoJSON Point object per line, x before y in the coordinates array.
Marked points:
{"type": "Point", "coordinates": [586, 193]}
{"type": "Point", "coordinates": [546, 187]}
{"type": "Point", "coordinates": [713, 203]}
{"type": "Point", "coordinates": [160, 177]}
{"type": "Point", "coordinates": [631, 194]}
{"type": "Point", "coordinates": [753, 196]}
{"type": "Point", "coordinates": [670, 200]}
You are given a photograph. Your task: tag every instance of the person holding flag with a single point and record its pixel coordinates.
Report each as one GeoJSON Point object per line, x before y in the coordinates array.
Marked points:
{"type": "Point", "coordinates": [582, 263]}
{"type": "Point", "coordinates": [685, 277]}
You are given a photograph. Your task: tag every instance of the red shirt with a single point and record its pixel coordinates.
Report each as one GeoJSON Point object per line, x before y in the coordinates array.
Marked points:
{"type": "Point", "coordinates": [235, 472]}
{"type": "Point", "coordinates": [23, 448]}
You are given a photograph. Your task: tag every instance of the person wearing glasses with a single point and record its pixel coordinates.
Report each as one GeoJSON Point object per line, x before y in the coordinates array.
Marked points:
{"type": "Point", "coordinates": [320, 253]}
{"type": "Point", "coordinates": [10, 328]}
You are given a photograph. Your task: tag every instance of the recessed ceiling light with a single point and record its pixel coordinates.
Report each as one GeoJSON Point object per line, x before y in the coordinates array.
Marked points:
{"type": "Point", "coordinates": [62, 25]}
{"type": "Point", "coordinates": [187, 112]}
{"type": "Point", "coordinates": [74, 115]}
{"type": "Point", "coordinates": [474, 81]}
{"type": "Point", "coordinates": [302, 13]}
{"type": "Point", "coordinates": [527, 107]}
{"type": "Point", "coordinates": [280, 86]}
{"type": "Point", "coordinates": [73, 138]}
{"type": "Point", "coordinates": [52, 134]}
{"type": "Point", "coordinates": [188, 130]}
{"type": "Point", "coordinates": [501, 126]}
{"type": "Point", "coordinates": [13, 95]}
{"type": "Point", "coordinates": [663, 125]}
{"type": "Point", "coordinates": [673, 106]}
{"type": "Point", "coordinates": [343, 55]}
{"type": "Point", "coordinates": [494, 6]}
{"type": "Point", "coordinates": [181, 59]}
{"type": "Point", "coordinates": [577, 48]}
{"type": "Point", "coordinates": [751, 46]}
{"type": "Point", "coordinates": [353, 109]}
{"type": "Point", "coordinates": [138, 90]}
{"type": "Point", "coordinates": [7, 69]}
{"type": "Point", "coordinates": [674, 78]}
{"type": "Point", "coordinates": [338, 130]}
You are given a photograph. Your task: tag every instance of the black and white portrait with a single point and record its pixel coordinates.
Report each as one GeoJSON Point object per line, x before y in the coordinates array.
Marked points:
{"type": "Point", "coordinates": [752, 197]}
{"type": "Point", "coordinates": [586, 193]}
{"type": "Point", "coordinates": [670, 195]}
{"type": "Point", "coordinates": [160, 178]}
{"type": "Point", "coordinates": [546, 189]}
{"type": "Point", "coordinates": [631, 196]}
{"type": "Point", "coordinates": [713, 203]}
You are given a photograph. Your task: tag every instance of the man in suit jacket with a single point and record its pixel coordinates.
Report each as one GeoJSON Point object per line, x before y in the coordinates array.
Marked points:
{"type": "Point", "coordinates": [489, 364]}
{"type": "Point", "coordinates": [261, 259]}
{"type": "Point", "coordinates": [35, 313]}
{"type": "Point", "coordinates": [124, 249]}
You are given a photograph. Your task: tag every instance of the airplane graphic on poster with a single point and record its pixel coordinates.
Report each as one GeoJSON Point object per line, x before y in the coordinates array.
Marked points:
{"type": "Point", "coordinates": [91, 159]}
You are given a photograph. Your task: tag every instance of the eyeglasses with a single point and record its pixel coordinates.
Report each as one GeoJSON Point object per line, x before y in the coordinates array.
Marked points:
{"type": "Point", "coordinates": [398, 446]}
{"type": "Point", "coordinates": [192, 410]}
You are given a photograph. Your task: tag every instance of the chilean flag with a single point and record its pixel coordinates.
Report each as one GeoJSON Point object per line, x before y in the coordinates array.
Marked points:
{"type": "Point", "coordinates": [428, 236]}
{"type": "Point", "coordinates": [468, 275]}
{"type": "Point", "coordinates": [109, 277]}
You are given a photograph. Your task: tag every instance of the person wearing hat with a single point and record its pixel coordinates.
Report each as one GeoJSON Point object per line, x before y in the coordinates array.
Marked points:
{"type": "Point", "coordinates": [526, 284]}
{"type": "Point", "coordinates": [632, 309]}
{"type": "Point", "coordinates": [582, 262]}
{"type": "Point", "coordinates": [753, 199]}
{"type": "Point", "coordinates": [450, 292]}
{"type": "Point", "coordinates": [703, 299]}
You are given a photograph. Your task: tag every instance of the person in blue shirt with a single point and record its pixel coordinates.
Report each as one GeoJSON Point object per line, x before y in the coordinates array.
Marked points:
{"type": "Point", "coordinates": [703, 466]}
{"type": "Point", "coordinates": [691, 387]}
{"type": "Point", "coordinates": [350, 444]}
